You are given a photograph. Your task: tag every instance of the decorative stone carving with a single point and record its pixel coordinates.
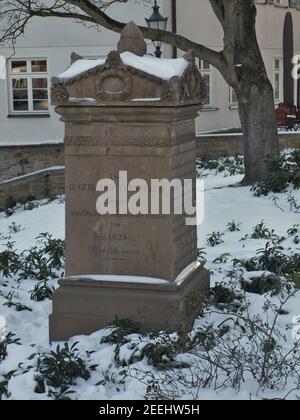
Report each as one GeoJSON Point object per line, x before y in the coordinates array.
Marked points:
{"type": "Point", "coordinates": [59, 93]}
{"type": "Point", "coordinates": [190, 87]}
{"type": "Point", "coordinates": [114, 60]}
{"type": "Point", "coordinates": [172, 90]}
{"type": "Point", "coordinates": [119, 80]}
{"type": "Point", "coordinates": [192, 84]}
{"type": "Point", "coordinates": [132, 40]}
{"type": "Point", "coordinates": [115, 83]}
{"type": "Point", "coordinates": [75, 57]}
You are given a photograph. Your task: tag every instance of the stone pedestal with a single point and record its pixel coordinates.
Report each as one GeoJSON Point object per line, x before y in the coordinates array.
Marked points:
{"type": "Point", "coordinates": [137, 267]}
{"type": "Point", "coordinates": [84, 305]}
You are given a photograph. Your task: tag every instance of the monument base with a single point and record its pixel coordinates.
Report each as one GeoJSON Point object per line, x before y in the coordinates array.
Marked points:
{"type": "Point", "coordinates": [85, 304]}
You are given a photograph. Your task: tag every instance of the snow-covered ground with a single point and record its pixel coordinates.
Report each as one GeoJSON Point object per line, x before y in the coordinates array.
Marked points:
{"type": "Point", "coordinates": [224, 203]}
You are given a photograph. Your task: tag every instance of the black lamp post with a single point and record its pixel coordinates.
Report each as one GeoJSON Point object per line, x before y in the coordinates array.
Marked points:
{"type": "Point", "coordinates": [157, 21]}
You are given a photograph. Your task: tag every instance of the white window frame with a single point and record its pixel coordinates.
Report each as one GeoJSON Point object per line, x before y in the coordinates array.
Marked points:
{"type": "Point", "coordinates": [29, 76]}
{"type": "Point", "coordinates": [284, 3]}
{"type": "Point", "coordinates": [206, 70]}
{"type": "Point", "coordinates": [278, 71]}
{"type": "Point", "coordinates": [231, 94]}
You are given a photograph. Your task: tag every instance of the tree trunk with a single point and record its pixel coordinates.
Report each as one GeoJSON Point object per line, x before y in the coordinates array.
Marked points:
{"type": "Point", "coordinates": [255, 96]}
{"type": "Point", "coordinates": [257, 115]}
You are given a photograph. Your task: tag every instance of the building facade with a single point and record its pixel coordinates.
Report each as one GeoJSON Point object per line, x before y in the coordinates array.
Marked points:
{"type": "Point", "coordinates": [26, 116]}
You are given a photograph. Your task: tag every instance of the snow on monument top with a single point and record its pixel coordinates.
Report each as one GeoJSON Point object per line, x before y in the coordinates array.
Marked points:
{"type": "Point", "coordinates": [164, 69]}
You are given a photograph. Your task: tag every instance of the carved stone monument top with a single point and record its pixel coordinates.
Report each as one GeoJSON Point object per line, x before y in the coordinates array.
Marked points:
{"type": "Point", "coordinates": [132, 40]}
{"type": "Point", "coordinates": [128, 75]}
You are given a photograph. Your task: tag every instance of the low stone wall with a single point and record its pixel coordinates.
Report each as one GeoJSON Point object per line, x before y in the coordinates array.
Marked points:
{"type": "Point", "coordinates": [48, 182]}
{"type": "Point", "coordinates": [20, 160]}
{"type": "Point", "coordinates": [37, 170]}
{"type": "Point", "coordinates": [213, 146]}
{"type": "Point", "coordinates": [24, 159]}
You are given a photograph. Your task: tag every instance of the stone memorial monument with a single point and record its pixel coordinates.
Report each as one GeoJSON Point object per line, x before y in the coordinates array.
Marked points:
{"type": "Point", "coordinates": [135, 114]}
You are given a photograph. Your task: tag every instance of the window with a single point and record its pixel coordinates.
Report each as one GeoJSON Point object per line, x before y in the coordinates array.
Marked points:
{"type": "Point", "coordinates": [282, 2]}
{"type": "Point", "coordinates": [278, 80]}
{"type": "Point", "coordinates": [28, 86]}
{"type": "Point", "coordinates": [233, 100]}
{"type": "Point", "coordinates": [205, 69]}
{"type": "Point", "coordinates": [285, 3]}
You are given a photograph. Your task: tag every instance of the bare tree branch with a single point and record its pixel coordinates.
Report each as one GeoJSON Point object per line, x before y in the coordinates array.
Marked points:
{"type": "Point", "coordinates": [218, 8]}
{"type": "Point", "coordinates": [16, 14]}
{"type": "Point", "coordinates": [178, 41]}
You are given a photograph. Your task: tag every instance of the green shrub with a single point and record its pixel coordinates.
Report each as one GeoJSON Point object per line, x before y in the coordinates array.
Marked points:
{"type": "Point", "coordinates": [201, 255]}
{"type": "Point", "coordinates": [214, 239]}
{"type": "Point", "coordinates": [62, 394]}
{"type": "Point", "coordinates": [294, 230]}
{"type": "Point", "coordinates": [229, 166]}
{"type": "Point", "coordinates": [3, 389]}
{"type": "Point", "coordinates": [4, 343]}
{"type": "Point", "coordinates": [11, 303]}
{"type": "Point", "coordinates": [263, 284]}
{"type": "Point", "coordinates": [283, 171]}
{"type": "Point", "coordinates": [9, 261]}
{"type": "Point", "coordinates": [14, 228]}
{"type": "Point", "coordinates": [120, 329]}
{"type": "Point", "coordinates": [222, 259]}
{"type": "Point", "coordinates": [43, 260]}
{"type": "Point", "coordinates": [30, 205]}
{"type": "Point", "coordinates": [271, 258]}
{"type": "Point", "coordinates": [233, 226]}
{"type": "Point", "coordinates": [41, 291]}
{"type": "Point", "coordinates": [40, 262]}
{"type": "Point", "coordinates": [223, 297]}
{"type": "Point", "coordinates": [260, 231]}
{"type": "Point", "coordinates": [62, 367]}
{"type": "Point", "coordinates": [293, 203]}
{"type": "Point", "coordinates": [162, 354]}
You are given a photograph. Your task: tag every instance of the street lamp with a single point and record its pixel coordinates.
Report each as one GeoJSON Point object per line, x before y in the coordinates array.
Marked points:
{"type": "Point", "coordinates": [157, 21]}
